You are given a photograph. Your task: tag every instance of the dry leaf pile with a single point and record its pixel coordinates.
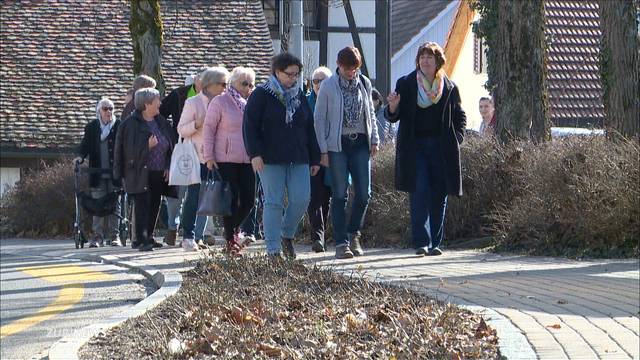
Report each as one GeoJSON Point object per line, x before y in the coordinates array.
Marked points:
{"type": "Point", "coordinates": [257, 309]}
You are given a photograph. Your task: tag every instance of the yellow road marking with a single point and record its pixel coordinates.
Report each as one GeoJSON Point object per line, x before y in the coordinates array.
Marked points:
{"type": "Point", "coordinates": [70, 293]}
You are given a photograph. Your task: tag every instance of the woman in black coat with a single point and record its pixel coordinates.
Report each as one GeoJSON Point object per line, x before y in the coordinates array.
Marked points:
{"type": "Point", "coordinates": [432, 124]}
{"type": "Point", "coordinates": [142, 158]}
{"type": "Point", "coordinates": [97, 144]}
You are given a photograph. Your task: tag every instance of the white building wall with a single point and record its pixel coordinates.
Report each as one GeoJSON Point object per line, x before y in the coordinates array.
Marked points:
{"type": "Point", "coordinates": [364, 13]}
{"type": "Point", "coordinates": [471, 85]}
{"type": "Point", "coordinates": [8, 178]}
{"type": "Point", "coordinates": [403, 62]}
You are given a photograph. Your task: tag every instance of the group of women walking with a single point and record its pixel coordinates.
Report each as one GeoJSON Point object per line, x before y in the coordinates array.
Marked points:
{"type": "Point", "coordinates": [306, 150]}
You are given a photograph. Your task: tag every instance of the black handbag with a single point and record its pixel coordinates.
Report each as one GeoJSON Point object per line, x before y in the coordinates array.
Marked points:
{"type": "Point", "coordinates": [215, 196]}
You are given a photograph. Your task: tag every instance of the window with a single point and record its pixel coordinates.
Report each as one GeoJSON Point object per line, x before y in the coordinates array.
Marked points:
{"type": "Point", "coordinates": [479, 56]}
{"type": "Point", "coordinates": [311, 14]}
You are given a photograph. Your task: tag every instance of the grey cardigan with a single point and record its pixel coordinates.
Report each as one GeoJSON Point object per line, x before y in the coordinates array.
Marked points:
{"type": "Point", "coordinates": [328, 114]}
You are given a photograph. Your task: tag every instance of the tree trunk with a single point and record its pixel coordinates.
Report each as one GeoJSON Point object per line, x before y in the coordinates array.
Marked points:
{"type": "Point", "coordinates": [620, 66]}
{"type": "Point", "coordinates": [520, 70]}
{"type": "Point", "coordinates": [145, 26]}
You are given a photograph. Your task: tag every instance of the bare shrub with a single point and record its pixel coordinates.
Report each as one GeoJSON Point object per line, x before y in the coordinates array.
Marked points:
{"type": "Point", "coordinates": [578, 196]}
{"type": "Point", "coordinates": [42, 202]}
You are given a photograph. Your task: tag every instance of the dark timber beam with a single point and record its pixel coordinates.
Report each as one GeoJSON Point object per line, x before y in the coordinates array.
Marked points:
{"type": "Point", "coordinates": [383, 47]}
{"type": "Point", "coordinates": [354, 33]}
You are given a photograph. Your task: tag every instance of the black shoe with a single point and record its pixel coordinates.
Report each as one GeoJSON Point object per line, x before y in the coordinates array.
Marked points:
{"type": "Point", "coordinates": [435, 251]}
{"type": "Point", "coordinates": [136, 244]}
{"type": "Point", "coordinates": [422, 251]}
{"type": "Point", "coordinates": [355, 246]}
{"type": "Point", "coordinates": [343, 252]}
{"type": "Point", "coordinates": [146, 247]}
{"type": "Point", "coordinates": [156, 244]}
{"type": "Point", "coordinates": [318, 246]}
{"type": "Point", "coordinates": [287, 248]}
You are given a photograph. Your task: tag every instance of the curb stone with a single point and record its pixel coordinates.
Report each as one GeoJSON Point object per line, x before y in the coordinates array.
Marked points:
{"type": "Point", "coordinates": [168, 283]}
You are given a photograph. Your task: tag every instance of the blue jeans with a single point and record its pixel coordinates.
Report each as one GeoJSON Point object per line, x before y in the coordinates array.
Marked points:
{"type": "Point", "coordinates": [174, 208]}
{"type": "Point", "coordinates": [276, 179]}
{"type": "Point", "coordinates": [194, 225]}
{"type": "Point", "coordinates": [429, 200]}
{"type": "Point", "coordinates": [354, 159]}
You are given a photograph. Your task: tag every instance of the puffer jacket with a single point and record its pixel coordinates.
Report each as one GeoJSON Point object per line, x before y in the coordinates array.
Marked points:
{"type": "Point", "coordinates": [131, 149]}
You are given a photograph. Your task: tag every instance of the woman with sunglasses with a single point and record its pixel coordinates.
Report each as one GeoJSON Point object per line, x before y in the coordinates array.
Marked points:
{"type": "Point", "coordinates": [224, 150]}
{"type": "Point", "coordinates": [278, 131]}
{"type": "Point", "coordinates": [97, 143]}
{"type": "Point", "coordinates": [345, 122]}
{"type": "Point", "coordinates": [213, 82]}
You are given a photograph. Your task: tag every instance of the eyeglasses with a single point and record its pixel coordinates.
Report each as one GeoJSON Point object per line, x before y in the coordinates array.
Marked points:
{"type": "Point", "coordinates": [292, 75]}
{"type": "Point", "coordinates": [317, 81]}
{"type": "Point", "coordinates": [107, 109]}
{"type": "Point", "coordinates": [224, 84]}
{"type": "Point", "coordinates": [246, 83]}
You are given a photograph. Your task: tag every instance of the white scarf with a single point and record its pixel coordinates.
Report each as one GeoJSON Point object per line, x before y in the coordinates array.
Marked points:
{"type": "Point", "coordinates": [105, 129]}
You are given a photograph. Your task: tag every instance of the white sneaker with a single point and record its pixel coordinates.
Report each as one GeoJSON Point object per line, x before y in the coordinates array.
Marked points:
{"type": "Point", "coordinates": [247, 239]}
{"type": "Point", "coordinates": [189, 245]}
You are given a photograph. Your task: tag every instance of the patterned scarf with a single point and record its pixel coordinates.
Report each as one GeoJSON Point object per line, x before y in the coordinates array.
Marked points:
{"type": "Point", "coordinates": [429, 94]}
{"type": "Point", "coordinates": [237, 98]}
{"type": "Point", "coordinates": [352, 100]}
{"type": "Point", "coordinates": [287, 97]}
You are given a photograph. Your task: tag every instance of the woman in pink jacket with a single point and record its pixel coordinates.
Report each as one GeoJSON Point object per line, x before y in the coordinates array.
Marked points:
{"type": "Point", "coordinates": [191, 126]}
{"type": "Point", "coordinates": [224, 149]}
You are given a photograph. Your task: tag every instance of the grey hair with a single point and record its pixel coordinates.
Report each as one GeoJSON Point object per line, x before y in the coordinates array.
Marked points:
{"type": "Point", "coordinates": [145, 96]}
{"type": "Point", "coordinates": [213, 75]}
{"type": "Point", "coordinates": [321, 70]}
{"type": "Point", "coordinates": [241, 72]}
{"type": "Point", "coordinates": [101, 103]}
{"type": "Point", "coordinates": [143, 81]}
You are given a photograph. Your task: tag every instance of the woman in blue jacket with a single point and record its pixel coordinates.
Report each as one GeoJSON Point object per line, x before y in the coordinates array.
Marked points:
{"type": "Point", "coordinates": [280, 140]}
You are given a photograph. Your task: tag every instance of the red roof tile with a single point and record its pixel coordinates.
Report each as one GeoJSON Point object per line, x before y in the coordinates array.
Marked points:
{"type": "Point", "coordinates": [57, 58]}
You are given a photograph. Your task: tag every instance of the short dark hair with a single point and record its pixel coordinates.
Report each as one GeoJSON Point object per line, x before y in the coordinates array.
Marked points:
{"type": "Point", "coordinates": [432, 49]}
{"type": "Point", "coordinates": [350, 56]}
{"type": "Point", "coordinates": [486, 98]}
{"type": "Point", "coordinates": [283, 60]}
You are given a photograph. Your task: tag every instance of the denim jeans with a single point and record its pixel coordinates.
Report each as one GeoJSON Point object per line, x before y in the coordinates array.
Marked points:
{"type": "Point", "coordinates": [174, 208]}
{"type": "Point", "coordinates": [276, 179]}
{"type": "Point", "coordinates": [429, 200]}
{"type": "Point", "coordinates": [354, 159]}
{"type": "Point", "coordinates": [194, 225]}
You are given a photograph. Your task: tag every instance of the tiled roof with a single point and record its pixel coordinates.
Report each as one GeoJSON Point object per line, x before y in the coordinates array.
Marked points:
{"type": "Point", "coordinates": [58, 57]}
{"type": "Point", "coordinates": [575, 93]}
{"type": "Point", "coordinates": [409, 17]}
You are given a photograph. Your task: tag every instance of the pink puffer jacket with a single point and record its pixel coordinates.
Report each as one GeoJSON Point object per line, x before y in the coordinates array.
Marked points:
{"type": "Point", "coordinates": [223, 141]}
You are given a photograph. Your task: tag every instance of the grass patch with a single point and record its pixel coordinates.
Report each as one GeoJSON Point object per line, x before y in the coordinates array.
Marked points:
{"type": "Point", "coordinates": [253, 308]}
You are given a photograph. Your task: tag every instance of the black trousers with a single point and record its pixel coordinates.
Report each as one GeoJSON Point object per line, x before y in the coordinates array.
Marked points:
{"type": "Point", "coordinates": [243, 182]}
{"type": "Point", "coordinates": [318, 210]}
{"type": "Point", "coordinates": [147, 206]}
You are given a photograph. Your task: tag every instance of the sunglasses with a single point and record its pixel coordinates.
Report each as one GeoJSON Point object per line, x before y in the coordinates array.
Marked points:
{"type": "Point", "coordinates": [246, 83]}
{"type": "Point", "coordinates": [317, 81]}
{"type": "Point", "coordinates": [107, 109]}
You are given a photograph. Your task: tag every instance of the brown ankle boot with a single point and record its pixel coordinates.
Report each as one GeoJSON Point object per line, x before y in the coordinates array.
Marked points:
{"type": "Point", "coordinates": [170, 237]}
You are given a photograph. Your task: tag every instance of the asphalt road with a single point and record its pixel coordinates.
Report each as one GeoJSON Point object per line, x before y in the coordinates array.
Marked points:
{"type": "Point", "coordinates": [44, 298]}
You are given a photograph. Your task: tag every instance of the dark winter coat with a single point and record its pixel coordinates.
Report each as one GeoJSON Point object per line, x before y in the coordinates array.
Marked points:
{"type": "Point", "coordinates": [173, 104]}
{"type": "Point", "coordinates": [454, 121]}
{"type": "Point", "coordinates": [90, 146]}
{"type": "Point", "coordinates": [132, 146]}
{"type": "Point", "coordinates": [267, 135]}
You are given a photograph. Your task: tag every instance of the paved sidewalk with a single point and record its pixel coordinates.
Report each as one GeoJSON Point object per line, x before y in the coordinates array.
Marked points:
{"type": "Point", "coordinates": [566, 309]}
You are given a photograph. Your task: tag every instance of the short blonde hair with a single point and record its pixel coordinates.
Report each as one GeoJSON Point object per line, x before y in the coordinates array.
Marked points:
{"type": "Point", "coordinates": [321, 70]}
{"type": "Point", "coordinates": [213, 75]}
{"type": "Point", "coordinates": [240, 72]}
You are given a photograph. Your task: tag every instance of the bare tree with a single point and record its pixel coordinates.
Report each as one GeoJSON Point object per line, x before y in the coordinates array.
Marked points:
{"type": "Point", "coordinates": [620, 66]}
{"type": "Point", "coordinates": [145, 26]}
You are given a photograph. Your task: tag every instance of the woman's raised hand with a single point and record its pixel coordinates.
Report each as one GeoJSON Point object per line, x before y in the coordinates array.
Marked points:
{"type": "Point", "coordinates": [394, 100]}
{"type": "Point", "coordinates": [257, 164]}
